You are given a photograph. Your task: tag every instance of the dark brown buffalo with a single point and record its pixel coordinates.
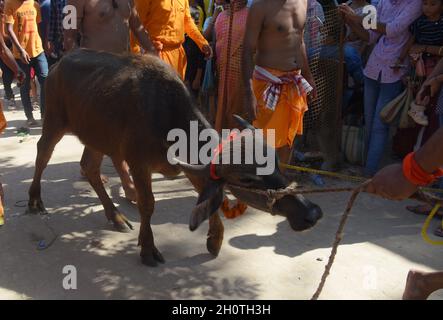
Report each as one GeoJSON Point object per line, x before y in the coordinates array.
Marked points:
{"type": "Point", "coordinates": [124, 106]}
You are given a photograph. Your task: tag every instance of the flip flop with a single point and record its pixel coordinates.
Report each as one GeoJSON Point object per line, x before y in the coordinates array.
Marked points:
{"type": "Point", "coordinates": [424, 212]}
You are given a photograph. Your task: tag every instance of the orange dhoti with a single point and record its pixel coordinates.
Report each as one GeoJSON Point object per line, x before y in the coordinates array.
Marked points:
{"type": "Point", "coordinates": [167, 22]}
{"type": "Point", "coordinates": [287, 117]}
{"type": "Point", "coordinates": [176, 58]}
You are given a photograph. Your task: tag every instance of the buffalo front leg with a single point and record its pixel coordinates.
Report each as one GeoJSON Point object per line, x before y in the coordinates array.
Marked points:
{"type": "Point", "coordinates": [215, 234]}
{"type": "Point", "coordinates": [45, 146]}
{"type": "Point", "coordinates": [150, 255]}
{"type": "Point", "coordinates": [90, 163]}
{"type": "Point", "coordinates": [216, 230]}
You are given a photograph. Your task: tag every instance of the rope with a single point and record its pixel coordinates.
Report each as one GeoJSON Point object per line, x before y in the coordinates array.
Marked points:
{"type": "Point", "coordinates": [424, 232]}
{"type": "Point", "coordinates": [345, 176]}
{"type": "Point", "coordinates": [294, 188]}
{"type": "Point", "coordinates": [338, 238]}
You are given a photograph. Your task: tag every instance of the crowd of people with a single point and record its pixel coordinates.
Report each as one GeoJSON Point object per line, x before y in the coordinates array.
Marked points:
{"type": "Point", "coordinates": [250, 58]}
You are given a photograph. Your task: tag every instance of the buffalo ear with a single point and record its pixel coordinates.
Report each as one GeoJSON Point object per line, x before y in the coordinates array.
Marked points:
{"type": "Point", "coordinates": [207, 204]}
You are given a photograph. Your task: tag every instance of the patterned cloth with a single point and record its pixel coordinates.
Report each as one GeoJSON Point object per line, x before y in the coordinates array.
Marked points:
{"type": "Point", "coordinates": [273, 91]}
{"type": "Point", "coordinates": [56, 24]}
{"type": "Point", "coordinates": [439, 108]}
{"type": "Point", "coordinates": [397, 15]}
{"type": "Point", "coordinates": [230, 86]}
{"type": "Point", "coordinates": [286, 120]}
{"type": "Point", "coordinates": [315, 20]}
{"type": "Point", "coordinates": [428, 32]}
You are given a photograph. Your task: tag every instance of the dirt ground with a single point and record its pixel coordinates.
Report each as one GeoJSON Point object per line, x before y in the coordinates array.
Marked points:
{"type": "Point", "coordinates": [261, 258]}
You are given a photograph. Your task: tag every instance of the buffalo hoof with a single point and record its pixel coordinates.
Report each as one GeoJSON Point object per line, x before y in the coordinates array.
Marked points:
{"type": "Point", "coordinates": [120, 222]}
{"type": "Point", "coordinates": [130, 194]}
{"type": "Point", "coordinates": [214, 244]}
{"type": "Point", "coordinates": [36, 207]}
{"type": "Point", "coordinates": [215, 235]}
{"type": "Point", "coordinates": [153, 258]}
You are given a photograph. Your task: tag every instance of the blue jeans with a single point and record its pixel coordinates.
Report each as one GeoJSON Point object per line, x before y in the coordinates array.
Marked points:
{"type": "Point", "coordinates": [40, 65]}
{"type": "Point", "coordinates": [376, 96]}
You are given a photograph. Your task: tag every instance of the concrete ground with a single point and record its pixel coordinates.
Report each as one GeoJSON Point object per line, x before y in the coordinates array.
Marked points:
{"type": "Point", "coordinates": [261, 258]}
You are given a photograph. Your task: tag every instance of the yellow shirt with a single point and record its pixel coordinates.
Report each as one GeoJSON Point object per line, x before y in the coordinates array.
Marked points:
{"type": "Point", "coordinates": [25, 16]}
{"type": "Point", "coordinates": [167, 21]}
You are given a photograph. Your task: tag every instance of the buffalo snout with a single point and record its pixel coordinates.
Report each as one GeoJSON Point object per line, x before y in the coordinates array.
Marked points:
{"type": "Point", "coordinates": [301, 213]}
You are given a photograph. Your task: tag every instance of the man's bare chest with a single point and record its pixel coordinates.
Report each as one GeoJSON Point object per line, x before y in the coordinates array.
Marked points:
{"type": "Point", "coordinates": [286, 19]}
{"type": "Point", "coordinates": [103, 11]}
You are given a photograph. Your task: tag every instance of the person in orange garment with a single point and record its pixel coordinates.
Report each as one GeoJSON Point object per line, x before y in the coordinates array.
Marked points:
{"type": "Point", "coordinates": [167, 21]}
{"type": "Point", "coordinates": [8, 59]}
{"type": "Point", "coordinates": [277, 87]}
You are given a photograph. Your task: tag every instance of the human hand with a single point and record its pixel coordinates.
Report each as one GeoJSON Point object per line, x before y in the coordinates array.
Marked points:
{"type": "Point", "coordinates": [390, 183]}
{"type": "Point", "coordinates": [25, 56]}
{"type": "Point", "coordinates": [20, 77]}
{"type": "Point", "coordinates": [313, 94]}
{"type": "Point", "coordinates": [207, 51]}
{"type": "Point", "coordinates": [48, 47]}
{"type": "Point", "coordinates": [348, 13]}
{"type": "Point", "coordinates": [430, 88]}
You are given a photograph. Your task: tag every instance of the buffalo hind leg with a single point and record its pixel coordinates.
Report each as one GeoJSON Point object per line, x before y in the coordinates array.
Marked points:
{"type": "Point", "coordinates": [150, 255]}
{"type": "Point", "coordinates": [51, 135]}
{"type": "Point", "coordinates": [85, 155]}
{"type": "Point", "coordinates": [90, 163]}
{"type": "Point", "coordinates": [216, 230]}
{"type": "Point", "coordinates": [122, 169]}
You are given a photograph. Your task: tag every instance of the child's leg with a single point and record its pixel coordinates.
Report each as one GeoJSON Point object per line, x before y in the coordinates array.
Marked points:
{"type": "Point", "coordinates": [25, 89]}
{"type": "Point", "coordinates": [41, 71]}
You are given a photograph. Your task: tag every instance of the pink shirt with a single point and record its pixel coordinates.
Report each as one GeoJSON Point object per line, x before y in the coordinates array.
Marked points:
{"type": "Point", "coordinates": [398, 15]}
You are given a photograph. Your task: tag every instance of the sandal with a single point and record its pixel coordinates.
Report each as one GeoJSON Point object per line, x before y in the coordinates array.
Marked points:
{"type": "Point", "coordinates": [424, 210]}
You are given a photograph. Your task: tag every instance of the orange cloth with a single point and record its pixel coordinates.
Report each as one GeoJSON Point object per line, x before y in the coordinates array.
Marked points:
{"type": "Point", "coordinates": [25, 16]}
{"type": "Point", "coordinates": [2, 119]}
{"type": "Point", "coordinates": [415, 173]}
{"type": "Point", "coordinates": [231, 98]}
{"type": "Point", "coordinates": [287, 118]}
{"type": "Point", "coordinates": [167, 21]}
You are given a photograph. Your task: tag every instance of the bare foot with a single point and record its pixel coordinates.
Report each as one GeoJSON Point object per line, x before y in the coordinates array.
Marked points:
{"type": "Point", "coordinates": [103, 178]}
{"type": "Point", "coordinates": [416, 286]}
{"type": "Point", "coordinates": [130, 192]}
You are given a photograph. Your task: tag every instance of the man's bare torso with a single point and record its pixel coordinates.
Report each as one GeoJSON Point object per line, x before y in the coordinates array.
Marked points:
{"type": "Point", "coordinates": [105, 27]}
{"type": "Point", "coordinates": [279, 44]}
